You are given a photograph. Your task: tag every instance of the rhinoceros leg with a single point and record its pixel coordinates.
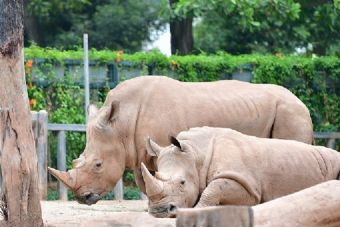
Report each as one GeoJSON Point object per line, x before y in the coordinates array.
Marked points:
{"type": "Point", "coordinates": [293, 122]}
{"type": "Point", "coordinates": [225, 191]}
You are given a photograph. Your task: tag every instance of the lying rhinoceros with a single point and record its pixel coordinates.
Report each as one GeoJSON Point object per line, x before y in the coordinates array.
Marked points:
{"type": "Point", "coordinates": [211, 166]}
{"type": "Point", "coordinates": [159, 106]}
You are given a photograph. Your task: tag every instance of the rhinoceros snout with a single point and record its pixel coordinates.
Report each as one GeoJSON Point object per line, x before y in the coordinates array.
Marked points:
{"type": "Point", "coordinates": [88, 198]}
{"type": "Point", "coordinates": [163, 211]}
{"type": "Point", "coordinates": [172, 210]}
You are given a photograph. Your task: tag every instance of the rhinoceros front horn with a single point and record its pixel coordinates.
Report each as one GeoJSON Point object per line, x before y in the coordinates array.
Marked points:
{"type": "Point", "coordinates": [65, 177]}
{"type": "Point", "coordinates": [153, 186]}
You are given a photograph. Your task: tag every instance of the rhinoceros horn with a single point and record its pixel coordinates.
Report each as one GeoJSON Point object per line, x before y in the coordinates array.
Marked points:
{"type": "Point", "coordinates": [153, 186]}
{"type": "Point", "coordinates": [152, 148]}
{"type": "Point", "coordinates": [67, 178]}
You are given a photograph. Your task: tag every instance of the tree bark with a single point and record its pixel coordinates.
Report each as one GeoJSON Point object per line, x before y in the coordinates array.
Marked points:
{"type": "Point", "coordinates": [17, 149]}
{"type": "Point", "coordinates": [182, 41]}
{"type": "Point", "coordinates": [317, 206]}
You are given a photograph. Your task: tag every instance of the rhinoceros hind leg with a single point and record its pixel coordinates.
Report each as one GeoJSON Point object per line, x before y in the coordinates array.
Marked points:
{"type": "Point", "coordinates": [225, 192]}
{"type": "Point", "coordinates": [293, 123]}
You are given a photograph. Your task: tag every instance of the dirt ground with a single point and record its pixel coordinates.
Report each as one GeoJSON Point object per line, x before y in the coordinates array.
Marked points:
{"type": "Point", "coordinates": [71, 214]}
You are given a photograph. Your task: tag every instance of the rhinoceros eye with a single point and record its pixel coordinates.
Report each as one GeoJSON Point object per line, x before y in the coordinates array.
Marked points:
{"type": "Point", "coordinates": [182, 182]}
{"type": "Point", "coordinates": [98, 164]}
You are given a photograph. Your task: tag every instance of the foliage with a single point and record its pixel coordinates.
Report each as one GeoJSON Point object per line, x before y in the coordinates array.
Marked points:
{"type": "Point", "coordinates": [245, 10]}
{"type": "Point", "coordinates": [128, 177]}
{"type": "Point", "coordinates": [119, 24]}
{"type": "Point", "coordinates": [52, 194]}
{"type": "Point", "coordinates": [311, 25]}
{"type": "Point", "coordinates": [337, 4]}
{"type": "Point", "coordinates": [61, 98]}
{"type": "Point", "coordinates": [265, 26]}
{"type": "Point", "coordinates": [45, 8]}
{"type": "Point", "coordinates": [314, 80]}
{"type": "Point", "coordinates": [131, 193]}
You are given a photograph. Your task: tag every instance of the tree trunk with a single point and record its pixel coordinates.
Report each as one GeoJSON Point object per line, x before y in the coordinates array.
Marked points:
{"type": "Point", "coordinates": [17, 149]}
{"type": "Point", "coordinates": [181, 34]}
{"type": "Point", "coordinates": [32, 31]}
{"type": "Point", "coordinates": [317, 206]}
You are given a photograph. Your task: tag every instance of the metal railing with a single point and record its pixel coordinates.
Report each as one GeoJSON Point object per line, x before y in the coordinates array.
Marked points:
{"type": "Point", "coordinates": [40, 129]}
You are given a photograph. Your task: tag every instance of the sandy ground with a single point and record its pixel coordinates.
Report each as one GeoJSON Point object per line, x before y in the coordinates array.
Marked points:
{"type": "Point", "coordinates": [71, 214]}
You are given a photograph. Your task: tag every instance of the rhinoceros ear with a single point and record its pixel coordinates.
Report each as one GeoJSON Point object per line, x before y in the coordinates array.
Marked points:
{"type": "Point", "coordinates": [113, 111]}
{"type": "Point", "coordinates": [175, 142]}
{"type": "Point", "coordinates": [110, 113]}
{"type": "Point", "coordinates": [152, 148]}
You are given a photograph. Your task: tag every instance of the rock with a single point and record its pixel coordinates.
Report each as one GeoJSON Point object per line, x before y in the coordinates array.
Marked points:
{"type": "Point", "coordinates": [130, 219]}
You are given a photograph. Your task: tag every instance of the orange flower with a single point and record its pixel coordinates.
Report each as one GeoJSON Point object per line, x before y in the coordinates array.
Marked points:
{"type": "Point", "coordinates": [29, 64]}
{"type": "Point", "coordinates": [32, 103]}
{"type": "Point", "coordinates": [174, 65]}
{"type": "Point", "coordinates": [278, 55]}
{"type": "Point", "coordinates": [119, 56]}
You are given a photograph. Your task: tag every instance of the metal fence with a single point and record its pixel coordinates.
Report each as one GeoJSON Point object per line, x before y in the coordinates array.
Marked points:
{"type": "Point", "coordinates": [41, 128]}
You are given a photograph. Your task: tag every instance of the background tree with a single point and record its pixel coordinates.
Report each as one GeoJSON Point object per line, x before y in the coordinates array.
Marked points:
{"type": "Point", "coordinates": [264, 26]}
{"type": "Point", "coordinates": [20, 199]}
{"type": "Point", "coordinates": [115, 24]}
{"type": "Point", "coordinates": [182, 40]}
{"type": "Point", "coordinates": [235, 26]}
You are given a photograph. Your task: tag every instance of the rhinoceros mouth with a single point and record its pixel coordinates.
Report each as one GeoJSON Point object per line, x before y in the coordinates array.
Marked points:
{"type": "Point", "coordinates": [163, 211]}
{"type": "Point", "coordinates": [88, 198]}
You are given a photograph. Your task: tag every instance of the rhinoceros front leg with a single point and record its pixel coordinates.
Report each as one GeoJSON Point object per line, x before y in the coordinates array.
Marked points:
{"type": "Point", "coordinates": [224, 192]}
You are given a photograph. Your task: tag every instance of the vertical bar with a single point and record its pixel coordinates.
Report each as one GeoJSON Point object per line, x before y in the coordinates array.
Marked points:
{"type": "Point", "coordinates": [86, 76]}
{"type": "Point", "coordinates": [35, 127]}
{"type": "Point", "coordinates": [118, 190]}
{"type": "Point", "coordinates": [41, 146]}
{"type": "Point", "coordinates": [143, 196]}
{"type": "Point", "coordinates": [331, 143]}
{"type": "Point", "coordinates": [0, 180]}
{"type": "Point", "coordinates": [61, 163]}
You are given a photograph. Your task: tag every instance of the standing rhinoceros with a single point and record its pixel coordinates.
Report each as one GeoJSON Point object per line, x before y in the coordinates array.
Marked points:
{"type": "Point", "coordinates": [211, 166]}
{"type": "Point", "coordinates": [159, 106]}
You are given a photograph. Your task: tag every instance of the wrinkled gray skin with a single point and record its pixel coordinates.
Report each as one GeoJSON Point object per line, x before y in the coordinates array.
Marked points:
{"type": "Point", "coordinates": [159, 107]}
{"type": "Point", "coordinates": [215, 166]}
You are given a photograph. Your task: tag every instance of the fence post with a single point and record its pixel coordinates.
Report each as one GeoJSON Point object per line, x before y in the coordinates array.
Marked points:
{"type": "Point", "coordinates": [331, 143]}
{"type": "Point", "coordinates": [41, 146]}
{"type": "Point", "coordinates": [118, 190]}
{"type": "Point", "coordinates": [143, 196]}
{"type": "Point", "coordinates": [61, 163]}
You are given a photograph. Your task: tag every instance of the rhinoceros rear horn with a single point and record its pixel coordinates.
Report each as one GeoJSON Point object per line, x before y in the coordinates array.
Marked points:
{"type": "Point", "coordinates": [79, 162]}
{"type": "Point", "coordinates": [153, 186]}
{"type": "Point", "coordinates": [65, 177]}
{"type": "Point", "coordinates": [152, 148]}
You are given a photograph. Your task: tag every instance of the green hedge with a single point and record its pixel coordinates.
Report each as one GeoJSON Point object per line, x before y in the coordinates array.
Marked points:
{"type": "Point", "coordinates": [316, 81]}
